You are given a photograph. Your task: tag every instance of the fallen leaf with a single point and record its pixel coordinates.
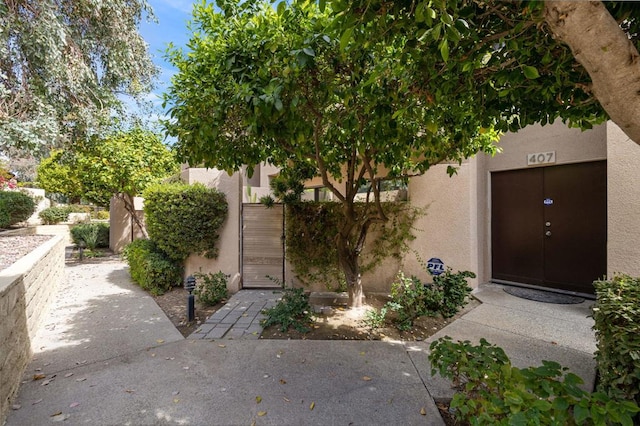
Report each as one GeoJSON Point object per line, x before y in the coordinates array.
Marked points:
{"type": "Point", "coordinates": [68, 375]}
{"type": "Point", "coordinates": [176, 400]}
{"type": "Point", "coordinates": [222, 346]}
{"type": "Point", "coordinates": [39, 376]}
{"type": "Point", "coordinates": [258, 399]}
{"type": "Point", "coordinates": [129, 390]}
{"type": "Point", "coordinates": [253, 423]}
{"type": "Point", "coordinates": [38, 369]}
{"type": "Point", "coordinates": [286, 399]}
{"type": "Point", "coordinates": [174, 393]}
{"type": "Point", "coordinates": [160, 340]}
{"type": "Point", "coordinates": [16, 406]}
{"type": "Point", "coordinates": [153, 355]}
{"type": "Point", "coordinates": [262, 413]}
{"type": "Point", "coordinates": [185, 368]}
{"type": "Point", "coordinates": [283, 382]}
{"type": "Point", "coordinates": [74, 404]}
{"type": "Point", "coordinates": [46, 382]}
{"type": "Point", "coordinates": [81, 379]}
{"type": "Point", "coordinates": [312, 406]}
{"type": "Point", "coordinates": [362, 353]}
{"type": "Point", "coordinates": [59, 417]}
{"type": "Point", "coordinates": [37, 401]}
{"type": "Point", "coordinates": [366, 378]}
{"type": "Point", "coordinates": [423, 411]}
{"type": "Point", "coordinates": [57, 413]}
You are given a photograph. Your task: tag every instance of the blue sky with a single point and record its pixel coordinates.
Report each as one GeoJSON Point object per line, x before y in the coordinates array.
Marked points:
{"type": "Point", "coordinates": [172, 17]}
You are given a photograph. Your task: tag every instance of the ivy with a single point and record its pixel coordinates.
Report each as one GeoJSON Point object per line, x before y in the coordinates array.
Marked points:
{"type": "Point", "coordinates": [311, 230]}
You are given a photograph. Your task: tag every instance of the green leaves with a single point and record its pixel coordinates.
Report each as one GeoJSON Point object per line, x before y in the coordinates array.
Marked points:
{"type": "Point", "coordinates": [530, 72]}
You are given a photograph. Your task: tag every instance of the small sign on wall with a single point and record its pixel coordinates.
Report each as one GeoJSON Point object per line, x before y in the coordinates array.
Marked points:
{"type": "Point", "coordinates": [435, 266]}
{"type": "Point", "coordinates": [540, 158]}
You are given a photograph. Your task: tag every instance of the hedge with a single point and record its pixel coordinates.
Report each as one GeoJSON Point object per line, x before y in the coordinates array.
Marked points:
{"type": "Point", "coordinates": [185, 219]}
{"type": "Point", "coordinates": [151, 268]}
{"type": "Point", "coordinates": [15, 207]}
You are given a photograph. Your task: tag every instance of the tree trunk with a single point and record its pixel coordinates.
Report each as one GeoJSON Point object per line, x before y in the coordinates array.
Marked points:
{"type": "Point", "coordinates": [606, 53]}
{"type": "Point", "coordinates": [130, 207]}
{"type": "Point", "coordinates": [348, 260]}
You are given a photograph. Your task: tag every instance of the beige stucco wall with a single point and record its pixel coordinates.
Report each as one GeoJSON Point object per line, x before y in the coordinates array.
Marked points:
{"type": "Point", "coordinates": [571, 146]}
{"type": "Point", "coordinates": [623, 201]}
{"type": "Point", "coordinates": [229, 244]}
{"type": "Point", "coordinates": [122, 229]}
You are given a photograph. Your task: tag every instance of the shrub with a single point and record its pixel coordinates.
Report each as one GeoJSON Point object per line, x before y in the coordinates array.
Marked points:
{"type": "Point", "coordinates": [101, 215]}
{"type": "Point", "coordinates": [54, 215]}
{"type": "Point", "coordinates": [151, 268]}
{"type": "Point", "coordinates": [185, 219]}
{"type": "Point", "coordinates": [211, 288]}
{"type": "Point", "coordinates": [93, 235]}
{"type": "Point", "coordinates": [292, 310]}
{"type": "Point", "coordinates": [15, 207]}
{"type": "Point", "coordinates": [79, 208]}
{"type": "Point", "coordinates": [411, 299]}
{"type": "Point", "coordinates": [617, 324]}
{"type": "Point", "coordinates": [491, 391]}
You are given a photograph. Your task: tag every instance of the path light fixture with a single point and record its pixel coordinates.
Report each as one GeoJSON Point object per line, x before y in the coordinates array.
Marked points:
{"type": "Point", "coordinates": [190, 285]}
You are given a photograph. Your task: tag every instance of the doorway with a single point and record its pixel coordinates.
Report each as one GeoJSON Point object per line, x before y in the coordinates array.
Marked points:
{"type": "Point", "coordinates": [549, 226]}
{"type": "Point", "coordinates": [262, 246]}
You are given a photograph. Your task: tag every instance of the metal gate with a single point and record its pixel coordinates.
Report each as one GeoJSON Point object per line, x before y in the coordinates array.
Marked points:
{"type": "Point", "coordinates": [262, 246]}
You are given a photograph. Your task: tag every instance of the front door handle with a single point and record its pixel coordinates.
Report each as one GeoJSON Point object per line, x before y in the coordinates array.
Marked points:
{"type": "Point", "coordinates": [548, 233]}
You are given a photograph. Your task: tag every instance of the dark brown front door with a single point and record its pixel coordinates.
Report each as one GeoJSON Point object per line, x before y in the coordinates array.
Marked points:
{"type": "Point", "coordinates": [548, 226]}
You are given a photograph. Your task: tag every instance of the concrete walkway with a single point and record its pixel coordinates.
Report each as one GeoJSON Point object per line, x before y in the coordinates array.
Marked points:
{"type": "Point", "coordinates": [110, 356]}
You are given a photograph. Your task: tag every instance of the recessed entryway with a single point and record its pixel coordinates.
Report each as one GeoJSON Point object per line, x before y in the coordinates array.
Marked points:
{"type": "Point", "coordinates": [549, 226]}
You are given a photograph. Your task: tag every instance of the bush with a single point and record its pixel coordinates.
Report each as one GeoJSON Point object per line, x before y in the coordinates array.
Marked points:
{"type": "Point", "coordinates": [293, 310]}
{"type": "Point", "coordinates": [15, 207]}
{"type": "Point", "coordinates": [79, 208]}
{"type": "Point", "coordinates": [411, 299]}
{"type": "Point", "coordinates": [54, 215]}
{"type": "Point", "coordinates": [211, 288]}
{"type": "Point", "coordinates": [491, 391]}
{"type": "Point", "coordinates": [617, 324]}
{"type": "Point", "coordinates": [101, 215]}
{"type": "Point", "coordinates": [185, 219]}
{"type": "Point", "coordinates": [151, 268]}
{"type": "Point", "coordinates": [94, 235]}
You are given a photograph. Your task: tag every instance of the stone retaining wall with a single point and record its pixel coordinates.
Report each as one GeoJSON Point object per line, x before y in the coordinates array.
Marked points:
{"type": "Point", "coordinates": [26, 288]}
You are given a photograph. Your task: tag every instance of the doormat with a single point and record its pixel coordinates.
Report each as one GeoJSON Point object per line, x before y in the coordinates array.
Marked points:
{"type": "Point", "coordinates": [543, 296]}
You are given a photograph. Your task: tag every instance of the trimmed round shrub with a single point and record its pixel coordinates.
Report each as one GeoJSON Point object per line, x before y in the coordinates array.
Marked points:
{"type": "Point", "coordinates": [54, 215]}
{"type": "Point", "coordinates": [94, 235]}
{"type": "Point", "coordinates": [185, 219]}
{"type": "Point", "coordinates": [15, 207]}
{"type": "Point", "coordinates": [151, 268]}
{"type": "Point", "coordinates": [211, 288]}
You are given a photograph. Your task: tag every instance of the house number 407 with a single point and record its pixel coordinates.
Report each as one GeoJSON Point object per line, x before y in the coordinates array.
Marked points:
{"type": "Point", "coordinates": [541, 158]}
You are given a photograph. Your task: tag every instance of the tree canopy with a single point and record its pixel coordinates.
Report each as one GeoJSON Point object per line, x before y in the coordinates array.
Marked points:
{"type": "Point", "coordinates": [62, 65]}
{"type": "Point", "coordinates": [122, 163]}
{"type": "Point", "coordinates": [260, 84]}
{"type": "Point", "coordinates": [516, 55]}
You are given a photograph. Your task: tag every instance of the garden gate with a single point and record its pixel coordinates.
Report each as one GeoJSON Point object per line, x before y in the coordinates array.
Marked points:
{"type": "Point", "coordinates": [262, 246]}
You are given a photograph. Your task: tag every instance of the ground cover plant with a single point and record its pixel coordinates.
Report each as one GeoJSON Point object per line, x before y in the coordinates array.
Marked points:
{"type": "Point", "coordinates": [292, 310]}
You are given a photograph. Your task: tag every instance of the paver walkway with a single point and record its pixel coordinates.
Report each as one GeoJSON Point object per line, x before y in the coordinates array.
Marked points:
{"type": "Point", "coordinates": [239, 318]}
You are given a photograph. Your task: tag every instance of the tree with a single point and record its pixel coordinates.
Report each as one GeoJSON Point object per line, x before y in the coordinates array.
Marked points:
{"type": "Point", "coordinates": [281, 86]}
{"type": "Point", "coordinates": [516, 53]}
{"type": "Point", "coordinates": [62, 65]}
{"type": "Point", "coordinates": [57, 176]}
{"type": "Point", "coordinates": [121, 164]}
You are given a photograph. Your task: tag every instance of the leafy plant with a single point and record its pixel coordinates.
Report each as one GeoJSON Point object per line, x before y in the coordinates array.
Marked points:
{"type": "Point", "coordinates": [93, 235]}
{"type": "Point", "coordinates": [211, 288]}
{"type": "Point", "coordinates": [374, 319]}
{"type": "Point", "coordinates": [15, 207]}
{"type": "Point", "coordinates": [54, 215]}
{"type": "Point", "coordinates": [151, 268]}
{"type": "Point", "coordinates": [292, 310]}
{"type": "Point", "coordinates": [185, 219]}
{"type": "Point", "coordinates": [491, 391]}
{"type": "Point", "coordinates": [617, 324]}
{"type": "Point", "coordinates": [101, 215]}
{"type": "Point", "coordinates": [411, 299]}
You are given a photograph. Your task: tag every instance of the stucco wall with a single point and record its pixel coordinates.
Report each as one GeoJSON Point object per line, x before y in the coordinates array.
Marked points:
{"type": "Point", "coordinates": [26, 288]}
{"type": "Point", "coordinates": [122, 228]}
{"type": "Point", "coordinates": [623, 201]}
{"type": "Point", "coordinates": [571, 146]}
{"type": "Point", "coordinates": [229, 259]}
